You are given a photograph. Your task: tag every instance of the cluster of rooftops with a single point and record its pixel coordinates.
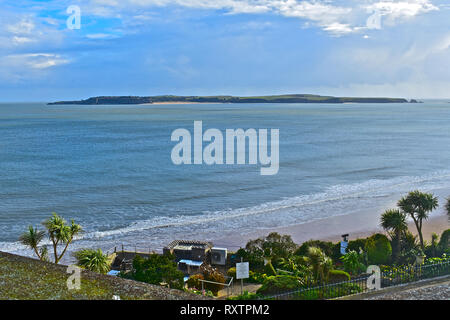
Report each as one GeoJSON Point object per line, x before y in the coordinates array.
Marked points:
{"type": "Point", "coordinates": [190, 255]}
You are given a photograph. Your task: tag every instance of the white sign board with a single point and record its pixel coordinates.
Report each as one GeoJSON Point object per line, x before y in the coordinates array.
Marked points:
{"type": "Point", "coordinates": [242, 270]}
{"type": "Point", "coordinates": [344, 245]}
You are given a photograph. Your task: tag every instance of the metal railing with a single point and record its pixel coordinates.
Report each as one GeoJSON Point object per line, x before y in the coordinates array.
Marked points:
{"type": "Point", "coordinates": [391, 276]}
{"type": "Point", "coordinates": [228, 284]}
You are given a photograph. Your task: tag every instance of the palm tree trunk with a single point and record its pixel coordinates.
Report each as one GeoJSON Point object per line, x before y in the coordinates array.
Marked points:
{"type": "Point", "coordinates": [55, 252]}
{"type": "Point", "coordinates": [64, 251]}
{"type": "Point", "coordinates": [397, 245]}
{"type": "Point", "coordinates": [37, 253]}
{"type": "Point", "coordinates": [419, 231]}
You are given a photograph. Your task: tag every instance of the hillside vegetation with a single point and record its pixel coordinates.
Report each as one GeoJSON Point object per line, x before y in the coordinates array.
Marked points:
{"type": "Point", "coordinates": [290, 98]}
{"type": "Point", "coordinates": [28, 279]}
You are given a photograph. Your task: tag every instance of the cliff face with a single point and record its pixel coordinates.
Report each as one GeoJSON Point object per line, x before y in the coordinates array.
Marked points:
{"type": "Point", "coordinates": [294, 98]}
{"type": "Point", "coordinates": [24, 278]}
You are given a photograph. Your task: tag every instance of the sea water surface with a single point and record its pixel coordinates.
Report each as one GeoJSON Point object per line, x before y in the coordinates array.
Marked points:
{"type": "Point", "coordinates": [110, 168]}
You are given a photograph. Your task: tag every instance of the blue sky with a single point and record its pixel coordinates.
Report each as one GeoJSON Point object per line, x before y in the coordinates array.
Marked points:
{"type": "Point", "coordinates": [240, 47]}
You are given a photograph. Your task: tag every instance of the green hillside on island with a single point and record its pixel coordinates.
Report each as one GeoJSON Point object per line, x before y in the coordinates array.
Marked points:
{"type": "Point", "coordinates": [290, 98]}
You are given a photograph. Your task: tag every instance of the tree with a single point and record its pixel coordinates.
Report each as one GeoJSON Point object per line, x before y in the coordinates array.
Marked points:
{"type": "Point", "coordinates": [32, 239]}
{"type": "Point", "coordinates": [93, 260]}
{"type": "Point", "coordinates": [394, 222]}
{"type": "Point", "coordinates": [278, 246]}
{"type": "Point", "coordinates": [274, 246]}
{"type": "Point", "coordinates": [61, 233]}
{"type": "Point", "coordinates": [418, 205]}
{"type": "Point", "coordinates": [379, 249]}
{"type": "Point", "coordinates": [319, 263]}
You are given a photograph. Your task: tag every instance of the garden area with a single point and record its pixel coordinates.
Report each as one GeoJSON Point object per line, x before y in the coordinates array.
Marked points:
{"type": "Point", "coordinates": [280, 268]}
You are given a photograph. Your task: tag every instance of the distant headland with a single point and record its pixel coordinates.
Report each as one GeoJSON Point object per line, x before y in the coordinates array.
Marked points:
{"type": "Point", "coordinates": [288, 98]}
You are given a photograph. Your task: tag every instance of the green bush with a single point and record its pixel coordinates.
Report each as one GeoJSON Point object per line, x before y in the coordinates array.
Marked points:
{"type": "Point", "coordinates": [329, 292]}
{"type": "Point", "coordinates": [326, 246]}
{"type": "Point", "coordinates": [256, 277]}
{"type": "Point", "coordinates": [378, 248]}
{"type": "Point", "coordinates": [444, 243]}
{"type": "Point", "coordinates": [353, 262]}
{"type": "Point", "coordinates": [356, 245]}
{"type": "Point", "coordinates": [338, 276]}
{"type": "Point", "coordinates": [193, 281]}
{"type": "Point", "coordinates": [157, 269]}
{"type": "Point", "coordinates": [246, 296]}
{"type": "Point", "coordinates": [269, 269]}
{"type": "Point", "coordinates": [278, 284]}
{"type": "Point", "coordinates": [232, 272]}
{"type": "Point", "coordinates": [93, 260]}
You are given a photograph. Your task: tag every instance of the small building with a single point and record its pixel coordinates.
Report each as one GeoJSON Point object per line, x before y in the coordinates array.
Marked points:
{"type": "Point", "coordinates": [189, 250]}
{"type": "Point", "coordinates": [189, 266]}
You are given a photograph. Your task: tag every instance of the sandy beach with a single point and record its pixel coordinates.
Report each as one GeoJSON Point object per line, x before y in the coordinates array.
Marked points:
{"type": "Point", "coordinates": [357, 225]}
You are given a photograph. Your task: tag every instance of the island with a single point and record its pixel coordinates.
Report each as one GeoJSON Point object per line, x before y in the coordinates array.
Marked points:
{"type": "Point", "coordinates": [288, 98]}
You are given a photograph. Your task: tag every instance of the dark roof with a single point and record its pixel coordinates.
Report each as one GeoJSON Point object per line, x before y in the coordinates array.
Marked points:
{"type": "Point", "coordinates": [193, 243]}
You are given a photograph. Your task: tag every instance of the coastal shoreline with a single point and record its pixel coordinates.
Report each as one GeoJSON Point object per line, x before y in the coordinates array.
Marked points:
{"type": "Point", "coordinates": [332, 228]}
{"type": "Point", "coordinates": [179, 102]}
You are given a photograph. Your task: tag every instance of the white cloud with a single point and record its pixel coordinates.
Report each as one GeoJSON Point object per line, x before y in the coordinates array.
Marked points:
{"type": "Point", "coordinates": [26, 66]}
{"type": "Point", "coordinates": [402, 9]}
{"type": "Point", "coordinates": [25, 26]}
{"type": "Point", "coordinates": [25, 30]}
{"type": "Point", "coordinates": [335, 19]}
{"type": "Point", "coordinates": [34, 60]}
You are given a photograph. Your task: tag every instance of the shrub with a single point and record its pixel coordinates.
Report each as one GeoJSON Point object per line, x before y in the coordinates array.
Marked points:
{"type": "Point", "coordinates": [278, 284]}
{"type": "Point", "coordinates": [93, 260]}
{"type": "Point", "coordinates": [232, 272]}
{"type": "Point", "coordinates": [212, 274]}
{"type": "Point", "coordinates": [246, 296]}
{"type": "Point", "coordinates": [254, 257]}
{"type": "Point", "coordinates": [255, 277]}
{"type": "Point", "coordinates": [341, 290]}
{"type": "Point", "coordinates": [205, 293]}
{"type": "Point", "coordinates": [353, 262]}
{"type": "Point", "coordinates": [432, 250]}
{"type": "Point", "coordinates": [356, 245]}
{"type": "Point", "coordinates": [157, 269]}
{"type": "Point", "coordinates": [325, 246]}
{"type": "Point", "coordinates": [338, 276]}
{"type": "Point", "coordinates": [444, 243]}
{"type": "Point", "coordinates": [193, 281]}
{"type": "Point", "coordinates": [269, 269]}
{"type": "Point", "coordinates": [378, 248]}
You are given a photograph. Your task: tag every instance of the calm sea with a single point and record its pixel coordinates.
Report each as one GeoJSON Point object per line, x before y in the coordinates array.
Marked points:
{"type": "Point", "coordinates": [109, 167]}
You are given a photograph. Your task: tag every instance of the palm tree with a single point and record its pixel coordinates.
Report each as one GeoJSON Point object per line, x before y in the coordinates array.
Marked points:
{"type": "Point", "coordinates": [60, 233]}
{"type": "Point", "coordinates": [31, 239]}
{"type": "Point", "coordinates": [394, 222]}
{"type": "Point", "coordinates": [418, 205]}
{"type": "Point", "coordinates": [320, 264]}
{"type": "Point", "coordinates": [93, 260]}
